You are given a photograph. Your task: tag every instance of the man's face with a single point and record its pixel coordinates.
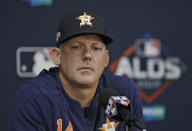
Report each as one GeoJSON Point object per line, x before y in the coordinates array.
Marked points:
{"type": "Point", "coordinates": [83, 59]}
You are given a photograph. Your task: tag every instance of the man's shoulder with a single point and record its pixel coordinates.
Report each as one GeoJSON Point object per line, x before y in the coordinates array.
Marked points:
{"type": "Point", "coordinates": [44, 84]}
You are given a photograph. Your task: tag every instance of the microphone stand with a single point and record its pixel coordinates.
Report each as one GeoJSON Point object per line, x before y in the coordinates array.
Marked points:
{"type": "Point", "coordinates": [128, 125]}
{"type": "Point", "coordinates": [130, 121]}
{"type": "Point", "coordinates": [127, 128]}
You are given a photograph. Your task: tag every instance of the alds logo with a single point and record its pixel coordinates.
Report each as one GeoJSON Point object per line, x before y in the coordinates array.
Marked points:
{"type": "Point", "coordinates": [59, 124]}
{"type": "Point", "coordinates": [151, 65]}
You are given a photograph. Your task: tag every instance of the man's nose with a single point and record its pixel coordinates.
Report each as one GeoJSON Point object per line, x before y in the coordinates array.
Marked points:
{"type": "Point", "coordinates": [87, 53]}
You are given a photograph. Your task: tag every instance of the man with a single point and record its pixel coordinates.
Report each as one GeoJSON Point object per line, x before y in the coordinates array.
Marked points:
{"type": "Point", "coordinates": [66, 98]}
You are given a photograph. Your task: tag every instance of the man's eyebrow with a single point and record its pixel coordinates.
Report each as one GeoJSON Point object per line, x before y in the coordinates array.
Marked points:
{"type": "Point", "coordinates": [81, 42]}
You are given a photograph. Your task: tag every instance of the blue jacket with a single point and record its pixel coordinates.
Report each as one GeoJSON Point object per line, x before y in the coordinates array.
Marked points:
{"type": "Point", "coordinates": [42, 105]}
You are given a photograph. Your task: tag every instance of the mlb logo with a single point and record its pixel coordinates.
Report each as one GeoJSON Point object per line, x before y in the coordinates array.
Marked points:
{"type": "Point", "coordinates": [111, 109]}
{"type": "Point", "coordinates": [31, 60]}
{"type": "Point", "coordinates": [148, 47]}
{"type": "Point", "coordinates": [123, 100]}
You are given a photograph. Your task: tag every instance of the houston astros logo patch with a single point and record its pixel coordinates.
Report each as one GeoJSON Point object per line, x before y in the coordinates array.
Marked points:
{"type": "Point", "coordinates": [109, 126]}
{"type": "Point", "coordinates": [85, 19]}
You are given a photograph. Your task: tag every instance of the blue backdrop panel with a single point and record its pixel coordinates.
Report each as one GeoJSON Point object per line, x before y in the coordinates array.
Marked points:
{"type": "Point", "coordinates": [167, 25]}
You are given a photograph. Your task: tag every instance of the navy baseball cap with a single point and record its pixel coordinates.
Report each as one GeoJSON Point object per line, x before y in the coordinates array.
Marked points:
{"type": "Point", "coordinates": [81, 23]}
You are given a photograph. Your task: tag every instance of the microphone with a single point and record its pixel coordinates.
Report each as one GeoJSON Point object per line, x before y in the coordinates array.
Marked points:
{"type": "Point", "coordinates": [118, 107]}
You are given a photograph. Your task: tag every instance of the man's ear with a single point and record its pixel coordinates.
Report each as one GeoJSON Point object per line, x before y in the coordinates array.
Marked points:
{"type": "Point", "coordinates": [55, 56]}
{"type": "Point", "coordinates": [106, 58]}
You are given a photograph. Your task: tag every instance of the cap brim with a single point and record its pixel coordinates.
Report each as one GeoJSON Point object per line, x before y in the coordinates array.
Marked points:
{"type": "Point", "coordinates": [105, 38]}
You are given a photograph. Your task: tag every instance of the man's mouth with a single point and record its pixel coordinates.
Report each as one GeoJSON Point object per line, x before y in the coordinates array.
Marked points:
{"type": "Point", "coordinates": [85, 68]}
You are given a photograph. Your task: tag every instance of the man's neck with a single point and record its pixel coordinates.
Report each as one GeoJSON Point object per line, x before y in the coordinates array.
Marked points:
{"type": "Point", "coordinates": [81, 93]}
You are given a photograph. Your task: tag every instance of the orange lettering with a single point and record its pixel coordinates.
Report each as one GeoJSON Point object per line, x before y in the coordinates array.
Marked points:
{"type": "Point", "coordinates": [59, 124]}
{"type": "Point", "coordinates": [70, 127]}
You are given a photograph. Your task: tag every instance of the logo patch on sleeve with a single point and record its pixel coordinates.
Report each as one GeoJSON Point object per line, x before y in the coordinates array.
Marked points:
{"type": "Point", "coordinates": [109, 126]}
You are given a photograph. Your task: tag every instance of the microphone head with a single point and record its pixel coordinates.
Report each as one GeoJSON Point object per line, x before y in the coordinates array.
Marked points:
{"type": "Point", "coordinates": [112, 102]}
{"type": "Point", "coordinates": [105, 95]}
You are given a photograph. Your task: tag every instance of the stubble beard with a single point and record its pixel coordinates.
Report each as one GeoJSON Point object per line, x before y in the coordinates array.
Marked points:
{"type": "Point", "coordinates": [65, 80]}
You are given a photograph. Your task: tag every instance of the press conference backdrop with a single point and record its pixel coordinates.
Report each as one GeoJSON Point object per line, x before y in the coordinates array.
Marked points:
{"type": "Point", "coordinates": [152, 45]}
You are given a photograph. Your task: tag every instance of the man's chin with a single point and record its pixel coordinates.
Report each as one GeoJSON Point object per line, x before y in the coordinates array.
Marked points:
{"type": "Point", "coordinates": [86, 81]}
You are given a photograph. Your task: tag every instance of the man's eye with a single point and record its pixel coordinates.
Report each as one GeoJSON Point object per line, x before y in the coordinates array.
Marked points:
{"type": "Point", "coordinates": [97, 48]}
{"type": "Point", "coordinates": [76, 47]}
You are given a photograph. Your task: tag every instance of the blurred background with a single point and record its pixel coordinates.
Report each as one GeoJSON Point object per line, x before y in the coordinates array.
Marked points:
{"type": "Point", "coordinates": [152, 45]}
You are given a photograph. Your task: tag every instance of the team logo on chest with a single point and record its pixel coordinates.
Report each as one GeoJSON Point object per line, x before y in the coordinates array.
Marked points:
{"type": "Point", "coordinates": [85, 19]}
{"type": "Point", "coordinates": [109, 126]}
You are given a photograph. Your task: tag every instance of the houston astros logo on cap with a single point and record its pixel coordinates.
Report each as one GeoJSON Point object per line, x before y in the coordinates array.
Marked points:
{"type": "Point", "coordinates": [85, 19]}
